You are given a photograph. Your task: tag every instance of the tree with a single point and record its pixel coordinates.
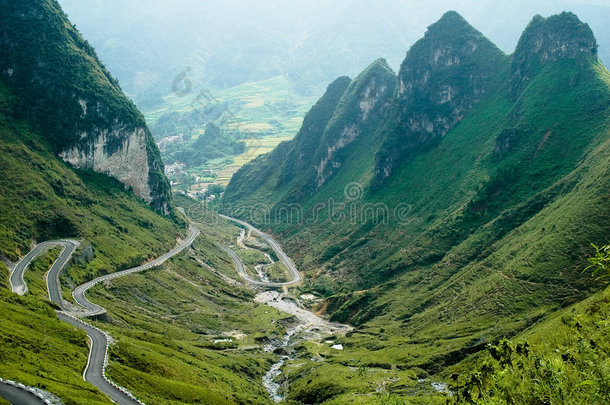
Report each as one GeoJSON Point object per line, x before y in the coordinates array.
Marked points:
{"type": "Point", "coordinates": [600, 263]}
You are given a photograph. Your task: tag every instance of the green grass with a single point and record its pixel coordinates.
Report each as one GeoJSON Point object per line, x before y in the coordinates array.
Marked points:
{"type": "Point", "coordinates": [502, 211]}
{"type": "Point", "coordinates": [39, 350]}
{"type": "Point", "coordinates": [566, 362]}
{"type": "Point", "coordinates": [35, 275]}
{"type": "Point", "coordinates": [164, 323]}
{"type": "Point", "coordinates": [278, 272]}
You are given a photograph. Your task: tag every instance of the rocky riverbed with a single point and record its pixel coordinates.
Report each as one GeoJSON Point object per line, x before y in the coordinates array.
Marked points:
{"type": "Point", "coordinates": [308, 326]}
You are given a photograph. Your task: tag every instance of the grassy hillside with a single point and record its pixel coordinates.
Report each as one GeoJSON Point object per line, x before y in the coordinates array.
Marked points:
{"type": "Point", "coordinates": [475, 235]}
{"type": "Point", "coordinates": [560, 360]}
{"type": "Point", "coordinates": [64, 91]}
{"type": "Point", "coordinates": [188, 332]}
{"type": "Point", "coordinates": [39, 350]}
{"type": "Point", "coordinates": [170, 327]}
{"type": "Point", "coordinates": [163, 322]}
{"type": "Point", "coordinates": [507, 274]}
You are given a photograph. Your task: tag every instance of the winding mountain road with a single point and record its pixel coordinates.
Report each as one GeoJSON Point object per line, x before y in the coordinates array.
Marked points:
{"type": "Point", "coordinates": [94, 309]}
{"type": "Point", "coordinates": [97, 361]}
{"type": "Point", "coordinates": [18, 394]}
{"type": "Point", "coordinates": [17, 281]}
{"type": "Point", "coordinates": [96, 364]}
{"type": "Point", "coordinates": [296, 276]}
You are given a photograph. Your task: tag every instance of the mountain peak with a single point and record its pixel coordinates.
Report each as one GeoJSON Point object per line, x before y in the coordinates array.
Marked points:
{"type": "Point", "coordinates": [545, 40]}
{"type": "Point", "coordinates": [379, 67]}
{"type": "Point", "coordinates": [442, 77]}
{"type": "Point", "coordinates": [450, 24]}
{"type": "Point", "coordinates": [452, 17]}
{"type": "Point", "coordinates": [380, 63]}
{"type": "Point", "coordinates": [446, 44]}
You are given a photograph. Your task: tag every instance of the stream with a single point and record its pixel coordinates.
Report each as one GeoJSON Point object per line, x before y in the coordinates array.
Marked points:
{"type": "Point", "coordinates": [309, 327]}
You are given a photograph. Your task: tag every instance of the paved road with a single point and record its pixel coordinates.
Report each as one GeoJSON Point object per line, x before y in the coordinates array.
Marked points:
{"type": "Point", "coordinates": [16, 279]}
{"type": "Point", "coordinates": [96, 365]}
{"type": "Point", "coordinates": [296, 276]}
{"type": "Point", "coordinates": [94, 309]}
{"type": "Point", "coordinates": [17, 395]}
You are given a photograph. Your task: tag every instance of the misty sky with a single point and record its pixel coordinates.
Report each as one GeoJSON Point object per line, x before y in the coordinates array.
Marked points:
{"type": "Point", "coordinates": [312, 41]}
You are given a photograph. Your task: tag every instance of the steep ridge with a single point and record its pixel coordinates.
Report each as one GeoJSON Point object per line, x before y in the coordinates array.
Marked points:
{"type": "Point", "coordinates": [442, 77]}
{"type": "Point", "coordinates": [74, 101]}
{"type": "Point", "coordinates": [291, 158]}
{"type": "Point", "coordinates": [546, 40]}
{"type": "Point", "coordinates": [482, 224]}
{"type": "Point", "coordinates": [346, 117]}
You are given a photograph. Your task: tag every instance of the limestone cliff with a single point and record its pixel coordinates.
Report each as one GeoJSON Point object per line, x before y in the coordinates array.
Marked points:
{"type": "Point", "coordinates": [359, 113]}
{"type": "Point", "coordinates": [66, 92]}
{"type": "Point", "coordinates": [443, 76]}
{"type": "Point", "coordinates": [129, 163]}
{"type": "Point", "coordinates": [546, 40]}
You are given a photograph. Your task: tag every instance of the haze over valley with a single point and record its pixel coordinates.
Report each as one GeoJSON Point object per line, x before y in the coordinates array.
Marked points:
{"type": "Point", "coordinates": [354, 202]}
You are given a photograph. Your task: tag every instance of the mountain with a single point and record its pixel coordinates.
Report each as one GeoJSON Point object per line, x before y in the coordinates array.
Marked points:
{"type": "Point", "coordinates": [73, 100]}
{"type": "Point", "coordinates": [343, 119]}
{"type": "Point", "coordinates": [548, 40]}
{"type": "Point", "coordinates": [172, 328]}
{"type": "Point", "coordinates": [443, 76]}
{"type": "Point", "coordinates": [282, 52]}
{"type": "Point", "coordinates": [232, 42]}
{"type": "Point", "coordinates": [461, 214]}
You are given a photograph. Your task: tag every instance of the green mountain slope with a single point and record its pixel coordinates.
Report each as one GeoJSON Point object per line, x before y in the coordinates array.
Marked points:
{"type": "Point", "coordinates": [482, 221]}
{"type": "Point", "coordinates": [443, 76]}
{"type": "Point", "coordinates": [164, 323]}
{"type": "Point", "coordinates": [67, 94]}
{"type": "Point", "coordinates": [344, 120]}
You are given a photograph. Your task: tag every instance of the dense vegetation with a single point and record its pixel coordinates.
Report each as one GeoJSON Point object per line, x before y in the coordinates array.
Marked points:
{"type": "Point", "coordinates": [562, 360]}
{"type": "Point", "coordinates": [63, 90]}
{"type": "Point", "coordinates": [165, 324]}
{"type": "Point", "coordinates": [480, 233]}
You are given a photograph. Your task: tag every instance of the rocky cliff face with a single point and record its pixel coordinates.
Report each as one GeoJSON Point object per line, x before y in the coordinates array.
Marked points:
{"type": "Point", "coordinates": [546, 40]}
{"type": "Point", "coordinates": [359, 113]}
{"type": "Point", "coordinates": [128, 163]}
{"type": "Point", "coordinates": [349, 114]}
{"type": "Point", "coordinates": [443, 76]}
{"type": "Point", "coordinates": [65, 91]}
{"type": "Point", "coordinates": [306, 142]}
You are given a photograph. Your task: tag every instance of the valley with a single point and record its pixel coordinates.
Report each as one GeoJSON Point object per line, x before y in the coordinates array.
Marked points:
{"type": "Point", "coordinates": [307, 322]}
{"type": "Point", "coordinates": [252, 119]}
{"type": "Point", "coordinates": [430, 232]}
